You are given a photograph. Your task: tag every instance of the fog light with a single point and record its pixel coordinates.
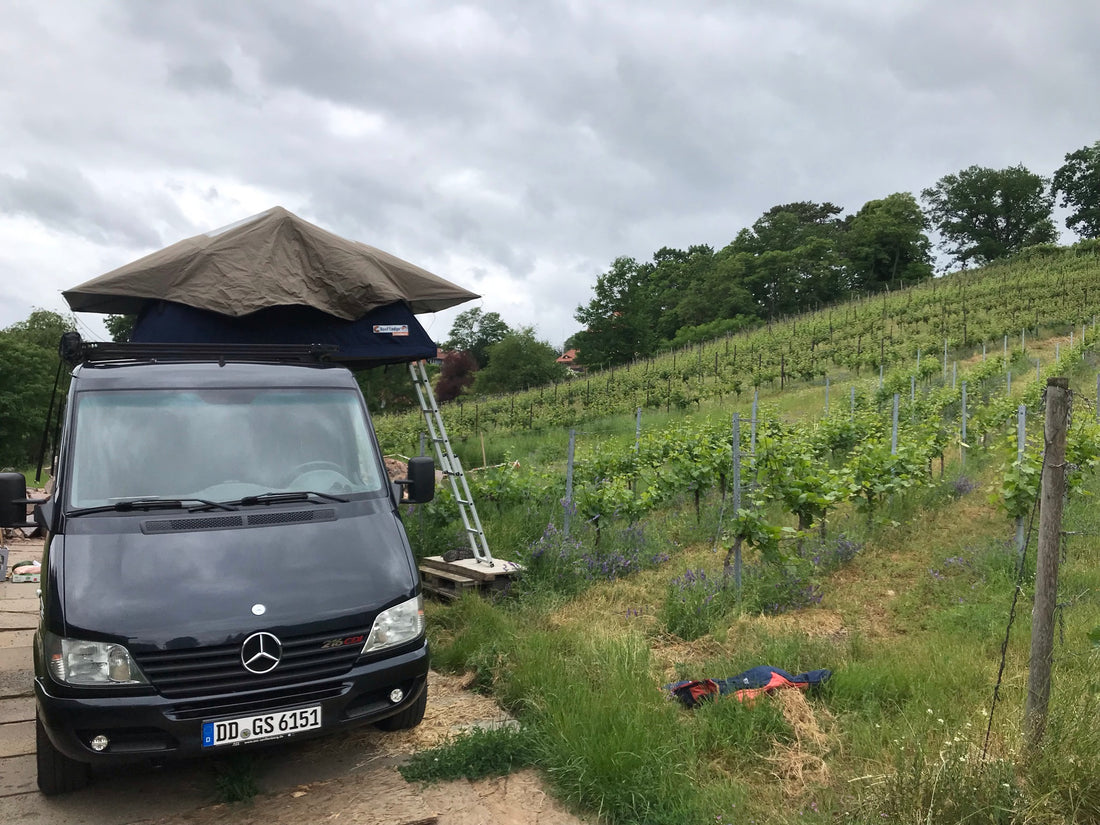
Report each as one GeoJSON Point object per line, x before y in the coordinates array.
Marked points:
{"type": "Point", "coordinates": [100, 743]}
{"type": "Point", "coordinates": [396, 695]}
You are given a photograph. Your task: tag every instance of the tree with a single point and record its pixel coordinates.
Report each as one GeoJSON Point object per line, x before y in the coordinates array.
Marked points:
{"type": "Point", "coordinates": [697, 289]}
{"type": "Point", "coordinates": [474, 332]}
{"type": "Point", "coordinates": [28, 351]}
{"type": "Point", "coordinates": [794, 261]}
{"type": "Point", "coordinates": [1078, 182]}
{"type": "Point", "coordinates": [725, 289]}
{"type": "Point", "coordinates": [789, 225]}
{"type": "Point", "coordinates": [519, 361]}
{"type": "Point", "coordinates": [456, 374]}
{"type": "Point", "coordinates": [121, 327]}
{"type": "Point", "coordinates": [886, 244]}
{"type": "Point", "coordinates": [389, 388]}
{"type": "Point", "coordinates": [42, 328]}
{"type": "Point", "coordinates": [619, 320]}
{"type": "Point", "coordinates": [985, 214]}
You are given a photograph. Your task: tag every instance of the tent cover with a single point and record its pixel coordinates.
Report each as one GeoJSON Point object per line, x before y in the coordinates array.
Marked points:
{"type": "Point", "coordinates": [271, 259]}
{"type": "Point", "coordinates": [275, 278]}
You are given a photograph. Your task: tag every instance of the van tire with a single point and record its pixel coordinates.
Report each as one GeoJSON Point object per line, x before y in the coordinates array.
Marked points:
{"type": "Point", "coordinates": [409, 718]}
{"type": "Point", "coordinates": [57, 773]}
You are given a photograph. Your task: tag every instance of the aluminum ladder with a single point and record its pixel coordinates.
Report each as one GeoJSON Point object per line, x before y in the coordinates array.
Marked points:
{"type": "Point", "coordinates": [450, 465]}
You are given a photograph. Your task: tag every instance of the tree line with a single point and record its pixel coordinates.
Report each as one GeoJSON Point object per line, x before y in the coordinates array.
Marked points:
{"type": "Point", "coordinates": [798, 256]}
{"type": "Point", "coordinates": [28, 352]}
{"type": "Point", "coordinates": [793, 258]}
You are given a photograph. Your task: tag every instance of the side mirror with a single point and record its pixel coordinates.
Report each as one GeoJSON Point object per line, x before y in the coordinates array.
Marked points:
{"type": "Point", "coordinates": [13, 500]}
{"type": "Point", "coordinates": [421, 480]}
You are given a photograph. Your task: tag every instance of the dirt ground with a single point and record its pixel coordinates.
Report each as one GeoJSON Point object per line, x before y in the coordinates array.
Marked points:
{"type": "Point", "coordinates": [349, 777]}
{"type": "Point", "coordinates": [374, 792]}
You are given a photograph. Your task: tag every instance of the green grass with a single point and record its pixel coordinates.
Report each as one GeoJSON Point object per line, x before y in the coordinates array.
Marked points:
{"type": "Point", "coordinates": [236, 778]}
{"type": "Point", "coordinates": [29, 474]}
{"type": "Point", "coordinates": [610, 742]}
{"type": "Point", "coordinates": [912, 628]}
{"type": "Point", "coordinates": [473, 754]}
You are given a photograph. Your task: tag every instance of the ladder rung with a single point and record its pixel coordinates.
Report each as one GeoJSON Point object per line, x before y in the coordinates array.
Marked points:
{"type": "Point", "coordinates": [450, 465]}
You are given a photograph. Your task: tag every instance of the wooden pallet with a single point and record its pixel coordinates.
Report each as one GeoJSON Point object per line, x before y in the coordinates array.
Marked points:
{"type": "Point", "coordinates": [451, 579]}
{"type": "Point", "coordinates": [445, 584]}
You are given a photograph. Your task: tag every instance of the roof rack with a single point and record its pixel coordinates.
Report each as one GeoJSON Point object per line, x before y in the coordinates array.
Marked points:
{"type": "Point", "coordinates": [75, 351]}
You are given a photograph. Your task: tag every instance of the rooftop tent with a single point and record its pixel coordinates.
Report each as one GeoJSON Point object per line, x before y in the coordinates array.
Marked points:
{"type": "Point", "coordinates": [271, 259]}
{"type": "Point", "coordinates": [275, 278]}
{"type": "Point", "coordinates": [386, 335]}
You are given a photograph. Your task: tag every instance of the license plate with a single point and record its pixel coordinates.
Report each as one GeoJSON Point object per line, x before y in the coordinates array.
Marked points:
{"type": "Point", "coordinates": [262, 726]}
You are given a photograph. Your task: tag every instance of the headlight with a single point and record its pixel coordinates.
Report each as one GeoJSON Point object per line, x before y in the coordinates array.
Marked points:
{"type": "Point", "coordinates": [90, 664]}
{"type": "Point", "coordinates": [401, 623]}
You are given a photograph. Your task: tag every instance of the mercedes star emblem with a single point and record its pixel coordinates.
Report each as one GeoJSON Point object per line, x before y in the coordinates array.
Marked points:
{"type": "Point", "coordinates": [261, 652]}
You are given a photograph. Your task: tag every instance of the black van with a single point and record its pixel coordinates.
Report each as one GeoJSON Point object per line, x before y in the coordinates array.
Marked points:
{"type": "Point", "coordinates": [225, 563]}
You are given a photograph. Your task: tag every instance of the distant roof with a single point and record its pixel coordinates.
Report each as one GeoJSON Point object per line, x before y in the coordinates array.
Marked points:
{"type": "Point", "coordinates": [271, 259]}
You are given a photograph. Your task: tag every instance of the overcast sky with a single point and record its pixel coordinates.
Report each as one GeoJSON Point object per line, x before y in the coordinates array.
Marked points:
{"type": "Point", "coordinates": [515, 147]}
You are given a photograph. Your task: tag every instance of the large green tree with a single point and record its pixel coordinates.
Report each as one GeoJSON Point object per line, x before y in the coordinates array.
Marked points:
{"type": "Point", "coordinates": [618, 320]}
{"type": "Point", "coordinates": [984, 214]}
{"type": "Point", "coordinates": [474, 331]}
{"type": "Point", "coordinates": [694, 288]}
{"type": "Point", "coordinates": [1078, 182]}
{"type": "Point", "coordinates": [518, 361]}
{"type": "Point", "coordinates": [28, 353]}
{"type": "Point", "coordinates": [120, 327]}
{"type": "Point", "coordinates": [885, 244]}
{"type": "Point", "coordinates": [388, 387]}
{"type": "Point", "coordinates": [716, 300]}
{"type": "Point", "coordinates": [794, 259]}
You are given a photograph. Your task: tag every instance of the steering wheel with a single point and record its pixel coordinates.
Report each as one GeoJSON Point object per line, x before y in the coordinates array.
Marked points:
{"type": "Point", "coordinates": [310, 466]}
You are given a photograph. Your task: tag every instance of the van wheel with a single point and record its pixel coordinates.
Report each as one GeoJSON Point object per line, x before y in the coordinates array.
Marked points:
{"type": "Point", "coordinates": [410, 717]}
{"type": "Point", "coordinates": [57, 773]}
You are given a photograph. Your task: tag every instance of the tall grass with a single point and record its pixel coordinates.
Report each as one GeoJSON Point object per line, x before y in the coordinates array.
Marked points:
{"type": "Point", "coordinates": [911, 626]}
{"type": "Point", "coordinates": [609, 741]}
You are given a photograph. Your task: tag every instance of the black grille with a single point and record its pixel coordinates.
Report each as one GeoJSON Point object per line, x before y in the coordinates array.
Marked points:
{"type": "Point", "coordinates": [205, 671]}
{"type": "Point", "coordinates": [253, 702]}
{"type": "Point", "coordinates": [233, 522]}
{"type": "Point", "coordinates": [209, 523]}
{"type": "Point", "coordinates": [291, 517]}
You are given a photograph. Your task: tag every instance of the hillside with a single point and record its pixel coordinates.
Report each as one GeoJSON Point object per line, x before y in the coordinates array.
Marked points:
{"type": "Point", "coordinates": [1043, 291]}
{"type": "Point", "coordinates": [881, 551]}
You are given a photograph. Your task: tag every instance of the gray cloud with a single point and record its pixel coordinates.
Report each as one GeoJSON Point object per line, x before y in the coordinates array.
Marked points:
{"type": "Point", "coordinates": [63, 199]}
{"type": "Point", "coordinates": [518, 146]}
{"type": "Point", "coordinates": [210, 75]}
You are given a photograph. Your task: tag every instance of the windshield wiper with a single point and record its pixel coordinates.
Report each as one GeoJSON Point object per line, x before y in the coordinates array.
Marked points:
{"type": "Point", "coordinates": [131, 504]}
{"type": "Point", "coordinates": [283, 497]}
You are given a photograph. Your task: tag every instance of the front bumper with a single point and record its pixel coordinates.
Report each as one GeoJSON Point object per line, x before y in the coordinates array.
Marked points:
{"type": "Point", "coordinates": [152, 726]}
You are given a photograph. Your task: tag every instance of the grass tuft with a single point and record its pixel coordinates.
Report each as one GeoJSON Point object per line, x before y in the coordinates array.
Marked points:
{"type": "Point", "coordinates": [236, 779]}
{"type": "Point", "coordinates": [473, 754]}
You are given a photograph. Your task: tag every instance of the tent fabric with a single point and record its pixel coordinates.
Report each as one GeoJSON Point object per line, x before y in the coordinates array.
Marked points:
{"type": "Point", "coordinates": [271, 259]}
{"type": "Point", "coordinates": [745, 687]}
{"type": "Point", "coordinates": [386, 335]}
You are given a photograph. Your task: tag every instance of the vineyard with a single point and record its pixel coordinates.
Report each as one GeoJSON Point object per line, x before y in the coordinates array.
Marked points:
{"type": "Point", "coordinates": [861, 454]}
{"type": "Point", "coordinates": [837, 491]}
{"type": "Point", "coordinates": [880, 436]}
{"type": "Point", "coordinates": [920, 331]}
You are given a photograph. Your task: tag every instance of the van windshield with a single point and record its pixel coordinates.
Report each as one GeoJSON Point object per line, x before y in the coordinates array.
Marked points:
{"type": "Point", "coordinates": [219, 444]}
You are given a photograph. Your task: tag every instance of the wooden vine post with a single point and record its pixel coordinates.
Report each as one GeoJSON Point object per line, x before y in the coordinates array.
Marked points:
{"type": "Point", "coordinates": [1046, 574]}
